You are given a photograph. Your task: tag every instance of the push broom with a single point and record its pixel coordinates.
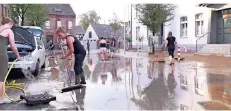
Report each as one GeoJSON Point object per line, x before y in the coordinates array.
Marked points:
{"type": "Point", "coordinates": [73, 87]}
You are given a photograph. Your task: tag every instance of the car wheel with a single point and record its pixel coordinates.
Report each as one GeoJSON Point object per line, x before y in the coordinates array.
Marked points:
{"type": "Point", "coordinates": [36, 71]}
{"type": "Point", "coordinates": [44, 65]}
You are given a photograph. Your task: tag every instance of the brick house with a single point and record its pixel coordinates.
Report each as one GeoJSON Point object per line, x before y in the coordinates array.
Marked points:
{"type": "Point", "coordinates": [4, 11]}
{"type": "Point", "coordinates": [60, 15]}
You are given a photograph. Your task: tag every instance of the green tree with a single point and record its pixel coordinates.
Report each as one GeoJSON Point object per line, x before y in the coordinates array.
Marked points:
{"type": "Point", "coordinates": [18, 11]}
{"type": "Point", "coordinates": [90, 17]}
{"type": "Point", "coordinates": [115, 23]}
{"type": "Point", "coordinates": [29, 14]}
{"type": "Point", "coordinates": [37, 16]}
{"type": "Point", "coordinates": [154, 15]}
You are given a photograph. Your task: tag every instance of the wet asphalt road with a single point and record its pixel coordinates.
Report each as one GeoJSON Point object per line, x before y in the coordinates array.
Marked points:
{"type": "Point", "coordinates": [129, 84]}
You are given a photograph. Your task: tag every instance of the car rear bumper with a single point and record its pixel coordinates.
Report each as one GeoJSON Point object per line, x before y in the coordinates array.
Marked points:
{"type": "Point", "coordinates": [23, 64]}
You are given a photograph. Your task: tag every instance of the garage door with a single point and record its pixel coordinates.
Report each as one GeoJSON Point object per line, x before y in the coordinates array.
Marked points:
{"type": "Point", "coordinates": [93, 44]}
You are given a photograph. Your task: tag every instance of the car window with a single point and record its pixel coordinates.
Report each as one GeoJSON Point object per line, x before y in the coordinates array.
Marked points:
{"type": "Point", "coordinates": [36, 32]}
{"type": "Point", "coordinates": [39, 42]}
{"type": "Point", "coordinates": [22, 35]}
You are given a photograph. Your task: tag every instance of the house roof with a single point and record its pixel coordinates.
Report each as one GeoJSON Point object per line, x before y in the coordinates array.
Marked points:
{"type": "Point", "coordinates": [104, 30]}
{"type": "Point", "coordinates": [214, 6]}
{"type": "Point", "coordinates": [60, 9]}
{"type": "Point", "coordinates": [79, 30]}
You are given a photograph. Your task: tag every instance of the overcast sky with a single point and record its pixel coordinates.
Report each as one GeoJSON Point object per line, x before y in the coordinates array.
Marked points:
{"type": "Point", "coordinates": [106, 10]}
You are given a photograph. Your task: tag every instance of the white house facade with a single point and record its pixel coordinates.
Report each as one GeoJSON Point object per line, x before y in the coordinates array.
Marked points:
{"type": "Point", "coordinates": [90, 35]}
{"type": "Point", "coordinates": [138, 29]}
{"type": "Point", "coordinates": [189, 24]}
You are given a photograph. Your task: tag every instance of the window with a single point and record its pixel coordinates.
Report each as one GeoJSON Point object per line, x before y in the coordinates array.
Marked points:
{"type": "Point", "coordinates": [39, 41]}
{"type": "Point", "coordinates": [48, 24]}
{"type": "Point", "coordinates": [183, 26]}
{"type": "Point", "coordinates": [69, 24]}
{"type": "Point", "coordinates": [6, 11]}
{"type": "Point", "coordinates": [58, 10]}
{"type": "Point", "coordinates": [183, 107]}
{"type": "Point", "coordinates": [90, 35]}
{"type": "Point", "coordinates": [59, 24]}
{"type": "Point", "coordinates": [199, 24]}
{"type": "Point", "coordinates": [137, 32]}
{"type": "Point", "coordinates": [2, 10]}
{"type": "Point", "coordinates": [183, 82]}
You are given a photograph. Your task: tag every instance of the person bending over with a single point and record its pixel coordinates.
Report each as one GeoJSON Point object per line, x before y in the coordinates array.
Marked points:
{"type": "Point", "coordinates": [6, 37]}
{"type": "Point", "coordinates": [75, 47]}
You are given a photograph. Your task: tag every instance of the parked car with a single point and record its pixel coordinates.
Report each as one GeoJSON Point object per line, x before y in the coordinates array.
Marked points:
{"type": "Point", "coordinates": [37, 31]}
{"type": "Point", "coordinates": [31, 49]}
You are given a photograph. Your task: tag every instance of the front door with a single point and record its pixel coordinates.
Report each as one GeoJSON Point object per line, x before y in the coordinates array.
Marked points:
{"type": "Point", "coordinates": [227, 30]}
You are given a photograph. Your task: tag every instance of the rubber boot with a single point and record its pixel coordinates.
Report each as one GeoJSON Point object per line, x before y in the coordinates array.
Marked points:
{"type": "Point", "coordinates": [82, 77]}
{"type": "Point", "coordinates": [77, 79]}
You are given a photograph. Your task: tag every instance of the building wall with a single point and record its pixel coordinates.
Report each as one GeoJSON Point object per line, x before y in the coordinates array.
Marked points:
{"type": "Point", "coordinates": [53, 25]}
{"type": "Point", "coordinates": [93, 40]}
{"type": "Point", "coordinates": [143, 29]}
{"type": "Point", "coordinates": [190, 40]}
{"type": "Point", "coordinates": [4, 11]}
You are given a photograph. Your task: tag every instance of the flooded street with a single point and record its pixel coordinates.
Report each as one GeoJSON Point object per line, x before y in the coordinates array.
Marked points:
{"type": "Point", "coordinates": [130, 84]}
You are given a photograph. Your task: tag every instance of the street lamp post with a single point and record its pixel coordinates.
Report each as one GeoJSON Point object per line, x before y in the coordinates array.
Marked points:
{"type": "Point", "coordinates": [124, 28]}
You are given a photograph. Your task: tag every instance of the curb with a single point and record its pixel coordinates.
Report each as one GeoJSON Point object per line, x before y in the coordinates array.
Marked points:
{"type": "Point", "coordinates": [209, 54]}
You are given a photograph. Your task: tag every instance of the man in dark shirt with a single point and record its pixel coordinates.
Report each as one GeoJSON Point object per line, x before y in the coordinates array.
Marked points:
{"type": "Point", "coordinates": [77, 48]}
{"type": "Point", "coordinates": [113, 46]}
{"type": "Point", "coordinates": [170, 44]}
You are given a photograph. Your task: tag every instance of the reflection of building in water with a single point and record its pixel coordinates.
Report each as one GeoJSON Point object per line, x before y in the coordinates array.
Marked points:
{"type": "Point", "coordinates": [220, 87]}
{"type": "Point", "coordinates": [54, 73]}
{"type": "Point", "coordinates": [103, 77]}
{"type": "Point", "coordinates": [183, 82]}
{"type": "Point", "coordinates": [192, 89]}
{"type": "Point", "coordinates": [87, 71]}
{"type": "Point", "coordinates": [227, 90]}
{"type": "Point", "coordinates": [80, 95]}
{"type": "Point", "coordinates": [150, 68]}
{"type": "Point", "coordinates": [183, 107]}
{"type": "Point", "coordinates": [199, 85]}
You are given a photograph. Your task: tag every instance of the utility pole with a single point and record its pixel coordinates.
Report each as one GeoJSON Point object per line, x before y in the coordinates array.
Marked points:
{"type": "Point", "coordinates": [124, 27]}
{"type": "Point", "coordinates": [131, 27]}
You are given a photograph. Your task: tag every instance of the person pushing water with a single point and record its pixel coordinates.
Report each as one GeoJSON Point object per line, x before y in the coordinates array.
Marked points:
{"type": "Point", "coordinates": [76, 48]}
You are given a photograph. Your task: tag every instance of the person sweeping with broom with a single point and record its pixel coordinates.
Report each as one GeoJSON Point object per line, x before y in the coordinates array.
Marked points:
{"type": "Point", "coordinates": [170, 44]}
{"type": "Point", "coordinates": [75, 47]}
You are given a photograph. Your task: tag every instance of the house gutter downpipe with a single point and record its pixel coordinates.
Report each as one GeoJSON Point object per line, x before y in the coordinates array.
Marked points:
{"type": "Point", "coordinates": [124, 28]}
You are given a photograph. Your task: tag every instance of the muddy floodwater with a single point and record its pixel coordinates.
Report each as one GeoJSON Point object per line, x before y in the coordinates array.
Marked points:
{"type": "Point", "coordinates": [130, 84]}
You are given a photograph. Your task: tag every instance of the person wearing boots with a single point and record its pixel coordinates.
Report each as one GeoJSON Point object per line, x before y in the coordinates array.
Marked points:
{"type": "Point", "coordinates": [76, 48]}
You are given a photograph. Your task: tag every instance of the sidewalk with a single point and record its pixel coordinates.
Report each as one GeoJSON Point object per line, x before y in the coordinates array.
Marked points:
{"type": "Point", "coordinates": [133, 54]}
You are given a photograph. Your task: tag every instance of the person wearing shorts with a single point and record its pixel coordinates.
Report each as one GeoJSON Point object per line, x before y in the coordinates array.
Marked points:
{"type": "Point", "coordinates": [108, 46]}
{"type": "Point", "coordinates": [170, 44]}
{"type": "Point", "coordinates": [113, 49]}
{"type": "Point", "coordinates": [103, 45]}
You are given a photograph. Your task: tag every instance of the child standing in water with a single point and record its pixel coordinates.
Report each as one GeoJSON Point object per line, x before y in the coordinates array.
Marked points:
{"type": "Point", "coordinates": [75, 47]}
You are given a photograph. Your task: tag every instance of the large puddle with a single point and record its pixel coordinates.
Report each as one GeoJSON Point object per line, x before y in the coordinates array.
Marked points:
{"type": "Point", "coordinates": [131, 84]}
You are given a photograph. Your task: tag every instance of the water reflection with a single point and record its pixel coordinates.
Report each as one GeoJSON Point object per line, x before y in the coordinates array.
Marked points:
{"type": "Point", "coordinates": [156, 95]}
{"type": "Point", "coordinates": [80, 95]}
{"type": "Point", "coordinates": [171, 82]}
{"type": "Point", "coordinates": [127, 84]}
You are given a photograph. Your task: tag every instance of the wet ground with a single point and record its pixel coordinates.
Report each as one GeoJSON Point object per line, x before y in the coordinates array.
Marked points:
{"type": "Point", "coordinates": [131, 84]}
